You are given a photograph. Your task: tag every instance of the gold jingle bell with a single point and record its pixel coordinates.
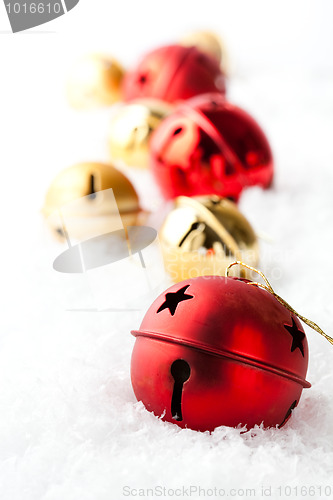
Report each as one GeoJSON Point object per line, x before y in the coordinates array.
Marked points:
{"type": "Point", "coordinates": [131, 128]}
{"type": "Point", "coordinates": [72, 213]}
{"type": "Point", "coordinates": [210, 43]}
{"type": "Point", "coordinates": [94, 81]}
{"type": "Point", "coordinates": [201, 236]}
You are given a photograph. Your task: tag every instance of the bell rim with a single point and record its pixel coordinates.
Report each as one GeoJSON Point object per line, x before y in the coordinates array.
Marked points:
{"type": "Point", "coordinates": [224, 353]}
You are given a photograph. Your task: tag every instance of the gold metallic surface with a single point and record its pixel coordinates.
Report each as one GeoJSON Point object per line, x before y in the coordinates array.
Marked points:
{"type": "Point", "coordinates": [203, 235]}
{"type": "Point", "coordinates": [94, 81]}
{"type": "Point", "coordinates": [95, 214]}
{"type": "Point", "coordinates": [131, 128]}
{"type": "Point", "coordinates": [210, 43]}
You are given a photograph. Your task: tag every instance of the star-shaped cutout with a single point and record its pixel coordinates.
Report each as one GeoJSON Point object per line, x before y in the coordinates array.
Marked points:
{"type": "Point", "coordinates": [288, 414]}
{"type": "Point", "coordinates": [172, 300]}
{"type": "Point", "coordinates": [297, 336]}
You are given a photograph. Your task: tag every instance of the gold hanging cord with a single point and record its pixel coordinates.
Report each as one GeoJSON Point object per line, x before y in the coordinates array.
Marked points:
{"type": "Point", "coordinates": [268, 288]}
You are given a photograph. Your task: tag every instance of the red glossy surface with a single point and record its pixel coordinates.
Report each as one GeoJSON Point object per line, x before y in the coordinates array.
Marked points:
{"type": "Point", "coordinates": [173, 73]}
{"type": "Point", "coordinates": [209, 146]}
{"type": "Point", "coordinates": [245, 365]}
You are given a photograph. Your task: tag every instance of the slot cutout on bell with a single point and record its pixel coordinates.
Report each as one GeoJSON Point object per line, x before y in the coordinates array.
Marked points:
{"type": "Point", "coordinates": [178, 131]}
{"type": "Point", "coordinates": [180, 371]}
{"type": "Point", "coordinates": [92, 187]}
{"type": "Point", "coordinates": [194, 227]}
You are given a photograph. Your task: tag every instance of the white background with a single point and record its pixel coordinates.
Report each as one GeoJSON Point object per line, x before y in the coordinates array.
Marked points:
{"type": "Point", "coordinates": [69, 424]}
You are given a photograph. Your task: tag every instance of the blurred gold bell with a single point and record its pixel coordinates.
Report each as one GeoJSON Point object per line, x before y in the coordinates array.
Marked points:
{"type": "Point", "coordinates": [131, 128]}
{"type": "Point", "coordinates": [210, 43]}
{"type": "Point", "coordinates": [201, 236]}
{"type": "Point", "coordinates": [94, 81]}
{"type": "Point", "coordinates": [77, 207]}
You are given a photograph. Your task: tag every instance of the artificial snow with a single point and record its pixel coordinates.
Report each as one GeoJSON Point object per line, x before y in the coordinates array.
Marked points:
{"type": "Point", "coordinates": [70, 426]}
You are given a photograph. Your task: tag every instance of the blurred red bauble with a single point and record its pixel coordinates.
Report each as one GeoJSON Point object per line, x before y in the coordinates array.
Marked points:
{"type": "Point", "coordinates": [209, 146]}
{"type": "Point", "coordinates": [174, 73]}
{"type": "Point", "coordinates": [215, 351]}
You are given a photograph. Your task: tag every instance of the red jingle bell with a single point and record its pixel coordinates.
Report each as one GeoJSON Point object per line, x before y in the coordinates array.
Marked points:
{"type": "Point", "coordinates": [216, 351]}
{"type": "Point", "coordinates": [209, 146]}
{"type": "Point", "coordinates": [174, 73]}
